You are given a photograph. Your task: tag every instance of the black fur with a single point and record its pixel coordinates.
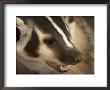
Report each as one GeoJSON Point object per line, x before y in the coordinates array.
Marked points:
{"type": "Point", "coordinates": [32, 46]}
{"type": "Point", "coordinates": [61, 24]}
{"type": "Point", "coordinates": [71, 19]}
{"type": "Point", "coordinates": [17, 34]}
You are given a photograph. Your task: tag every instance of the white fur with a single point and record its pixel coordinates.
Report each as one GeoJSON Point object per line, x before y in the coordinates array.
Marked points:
{"type": "Point", "coordinates": [44, 51]}
{"type": "Point", "coordinates": [24, 29]}
{"type": "Point", "coordinates": [61, 32]}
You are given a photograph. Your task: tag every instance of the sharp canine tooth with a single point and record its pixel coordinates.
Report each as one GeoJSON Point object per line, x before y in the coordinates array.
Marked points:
{"type": "Point", "coordinates": [64, 68]}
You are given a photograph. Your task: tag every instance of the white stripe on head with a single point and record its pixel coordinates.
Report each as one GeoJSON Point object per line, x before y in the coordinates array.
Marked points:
{"type": "Point", "coordinates": [65, 20]}
{"type": "Point", "coordinates": [60, 31]}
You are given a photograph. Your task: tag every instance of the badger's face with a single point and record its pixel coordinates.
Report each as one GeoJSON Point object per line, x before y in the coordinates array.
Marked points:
{"type": "Point", "coordinates": [47, 40]}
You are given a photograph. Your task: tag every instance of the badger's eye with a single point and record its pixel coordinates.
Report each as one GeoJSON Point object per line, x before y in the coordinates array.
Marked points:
{"type": "Point", "coordinates": [49, 41]}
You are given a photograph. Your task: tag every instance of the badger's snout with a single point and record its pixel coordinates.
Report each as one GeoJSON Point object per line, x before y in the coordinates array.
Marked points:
{"type": "Point", "coordinates": [73, 56]}
{"type": "Point", "coordinates": [77, 59]}
{"type": "Point", "coordinates": [70, 56]}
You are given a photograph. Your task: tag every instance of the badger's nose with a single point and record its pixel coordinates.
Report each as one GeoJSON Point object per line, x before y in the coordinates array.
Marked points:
{"type": "Point", "coordinates": [77, 60]}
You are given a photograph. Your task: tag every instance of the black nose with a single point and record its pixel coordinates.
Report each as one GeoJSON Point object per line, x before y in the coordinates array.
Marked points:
{"type": "Point", "coordinates": [70, 56]}
{"type": "Point", "coordinates": [77, 59]}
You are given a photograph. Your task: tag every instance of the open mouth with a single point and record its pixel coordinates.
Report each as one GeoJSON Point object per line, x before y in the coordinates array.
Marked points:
{"type": "Point", "coordinates": [64, 68]}
{"type": "Point", "coordinates": [58, 67]}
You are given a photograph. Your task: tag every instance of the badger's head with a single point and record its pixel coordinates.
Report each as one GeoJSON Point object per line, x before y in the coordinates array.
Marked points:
{"type": "Point", "coordinates": [46, 40]}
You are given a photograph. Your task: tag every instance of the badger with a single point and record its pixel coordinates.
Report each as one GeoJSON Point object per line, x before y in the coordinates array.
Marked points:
{"type": "Point", "coordinates": [54, 45]}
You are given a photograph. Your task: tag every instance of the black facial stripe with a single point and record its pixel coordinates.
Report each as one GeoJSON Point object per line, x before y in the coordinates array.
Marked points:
{"type": "Point", "coordinates": [32, 46]}
{"type": "Point", "coordinates": [46, 26]}
{"type": "Point", "coordinates": [71, 19]}
{"type": "Point", "coordinates": [61, 24]}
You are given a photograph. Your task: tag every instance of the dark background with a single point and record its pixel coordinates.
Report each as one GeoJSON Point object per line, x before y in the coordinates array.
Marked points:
{"type": "Point", "coordinates": [57, 1]}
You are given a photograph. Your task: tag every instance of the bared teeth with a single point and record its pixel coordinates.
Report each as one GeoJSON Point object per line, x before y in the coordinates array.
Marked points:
{"type": "Point", "coordinates": [64, 68]}
{"type": "Point", "coordinates": [58, 67]}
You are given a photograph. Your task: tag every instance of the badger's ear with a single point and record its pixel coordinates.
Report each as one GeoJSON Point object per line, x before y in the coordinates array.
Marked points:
{"type": "Point", "coordinates": [20, 23]}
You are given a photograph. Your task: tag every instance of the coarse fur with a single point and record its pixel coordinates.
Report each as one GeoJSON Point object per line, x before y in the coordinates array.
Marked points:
{"type": "Point", "coordinates": [36, 55]}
